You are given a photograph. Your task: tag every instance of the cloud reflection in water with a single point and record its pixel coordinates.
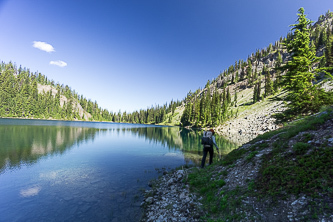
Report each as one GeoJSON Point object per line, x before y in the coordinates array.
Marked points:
{"type": "Point", "coordinates": [30, 192]}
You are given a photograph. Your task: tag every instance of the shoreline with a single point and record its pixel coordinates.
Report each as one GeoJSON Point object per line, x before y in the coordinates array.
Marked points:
{"type": "Point", "coordinates": [237, 181]}
{"type": "Point", "coordinates": [76, 120]}
{"type": "Point", "coordinates": [170, 199]}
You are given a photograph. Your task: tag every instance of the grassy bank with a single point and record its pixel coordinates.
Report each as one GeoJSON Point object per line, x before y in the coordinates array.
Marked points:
{"type": "Point", "coordinates": [286, 171]}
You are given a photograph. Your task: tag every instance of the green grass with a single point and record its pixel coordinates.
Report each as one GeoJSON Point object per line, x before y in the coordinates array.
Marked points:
{"type": "Point", "coordinates": [173, 120]}
{"type": "Point", "coordinates": [232, 157]}
{"type": "Point", "coordinates": [306, 169]}
{"type": "Point", "coordinates": [251, 185]}
{"type": "Point", "coordinates": [217, 203]}
{"type": "Point", "coordinates": [298, 173]}
{"type": "Point", "coordinates": [251, 155]}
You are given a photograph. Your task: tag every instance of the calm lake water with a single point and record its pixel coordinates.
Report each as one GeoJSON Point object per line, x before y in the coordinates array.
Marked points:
{"type": "Point", "coordinates": [86, 171]}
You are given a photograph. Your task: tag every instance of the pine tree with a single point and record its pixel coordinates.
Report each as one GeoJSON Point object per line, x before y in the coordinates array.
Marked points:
{"type": "Point", "coordinates": [236, 77]}
{"type": "Point", "coordinates": [329, 50]}
{"type": "Point", "coordinates": [208, 109]}
{"type": "Point", "coordinates": [202, 110]}
{"type": "Point", "coordinates": [256, 90]}
{"type": "Point", "coordinates": [249, 72]}
{"type": "Point", "coordinates": [255, 75]}
{"type": "Point", "coordinates": [224, 109]}
{"type": "Point", "coordinates": [197, 112]}
{"type": "Point", "coordinates": [268, 82]}
{"type": "Point", "coordinates": [255, 98]}
{"type": "Point", "coordinates": [215, 109]}
{"type": "Point", "coordinates": [303, 96]}
{"type": "Point", "coordinates": [277, 70]}
{"type": "Point", "coordinates": [228, 96]}
{"type": "Point", "coordinates": [259, 89]}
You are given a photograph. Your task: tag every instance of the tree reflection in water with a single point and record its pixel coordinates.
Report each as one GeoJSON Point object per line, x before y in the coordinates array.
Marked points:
{"type": "Point", "coordinates": [25, 144]}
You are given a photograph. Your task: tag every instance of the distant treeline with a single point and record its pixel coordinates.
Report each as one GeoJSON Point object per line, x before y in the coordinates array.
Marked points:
{"type": "Point", "coordinates": [19, 97]}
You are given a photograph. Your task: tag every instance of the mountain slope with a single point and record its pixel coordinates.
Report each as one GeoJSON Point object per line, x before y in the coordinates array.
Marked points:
{"type": "Point", "coordinates": [246, 116]}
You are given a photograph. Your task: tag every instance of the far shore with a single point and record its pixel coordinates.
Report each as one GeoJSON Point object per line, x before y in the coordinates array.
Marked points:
{"type": "Point", "coordinates": [77, 120]}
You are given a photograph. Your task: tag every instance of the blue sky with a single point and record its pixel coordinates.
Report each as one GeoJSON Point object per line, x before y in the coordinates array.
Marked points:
{"type": "Point", "coordinates": [130, 55]}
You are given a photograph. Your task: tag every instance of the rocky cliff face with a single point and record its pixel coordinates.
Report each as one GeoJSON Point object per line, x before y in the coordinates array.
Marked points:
{"type": "Point", "coordinates": [63, 100]}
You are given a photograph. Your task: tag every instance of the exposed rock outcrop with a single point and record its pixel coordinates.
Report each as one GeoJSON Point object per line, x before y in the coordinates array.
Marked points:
{"type": "Point", "coordinates": [63, 100]}
{"type": "Point", "coordinates": [251, 123]}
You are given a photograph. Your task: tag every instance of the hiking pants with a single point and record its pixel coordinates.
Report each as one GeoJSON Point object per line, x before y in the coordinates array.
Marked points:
{"type": "Point", "coordinates": [211, 154]}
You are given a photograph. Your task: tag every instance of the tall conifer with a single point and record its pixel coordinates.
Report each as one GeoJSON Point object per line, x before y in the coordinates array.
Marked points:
{"type": "Point", "coordinates": [249, 72]}
{"type": "Point", "coordinates": [303, 95]}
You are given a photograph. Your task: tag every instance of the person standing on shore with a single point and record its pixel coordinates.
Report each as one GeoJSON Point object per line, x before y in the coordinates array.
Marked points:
{"type": "Point", "coordinates": [208, 140]}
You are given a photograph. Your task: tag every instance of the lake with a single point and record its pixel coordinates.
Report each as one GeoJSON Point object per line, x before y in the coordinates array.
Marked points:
{"type": "Point", "coordinates": [86, 171]}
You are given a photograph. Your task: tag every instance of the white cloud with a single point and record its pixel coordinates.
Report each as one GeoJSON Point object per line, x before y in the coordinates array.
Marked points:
{"type": "Point", "coordinates": [58, 63]}
{"type": "Point", "coordinates": [43, 46]}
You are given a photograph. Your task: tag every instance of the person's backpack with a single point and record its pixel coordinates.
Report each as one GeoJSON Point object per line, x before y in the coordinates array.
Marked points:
{"type": "Point", "coordinates": [206, 139]}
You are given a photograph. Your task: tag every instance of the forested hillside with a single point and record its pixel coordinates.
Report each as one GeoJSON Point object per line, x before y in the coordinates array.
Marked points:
{"type": "Point", "coordinates": [33, 95]}
{"type": "Point", "coordinates": [262, 74]}
{"type": "Point", "coordinates": [29, 94]}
